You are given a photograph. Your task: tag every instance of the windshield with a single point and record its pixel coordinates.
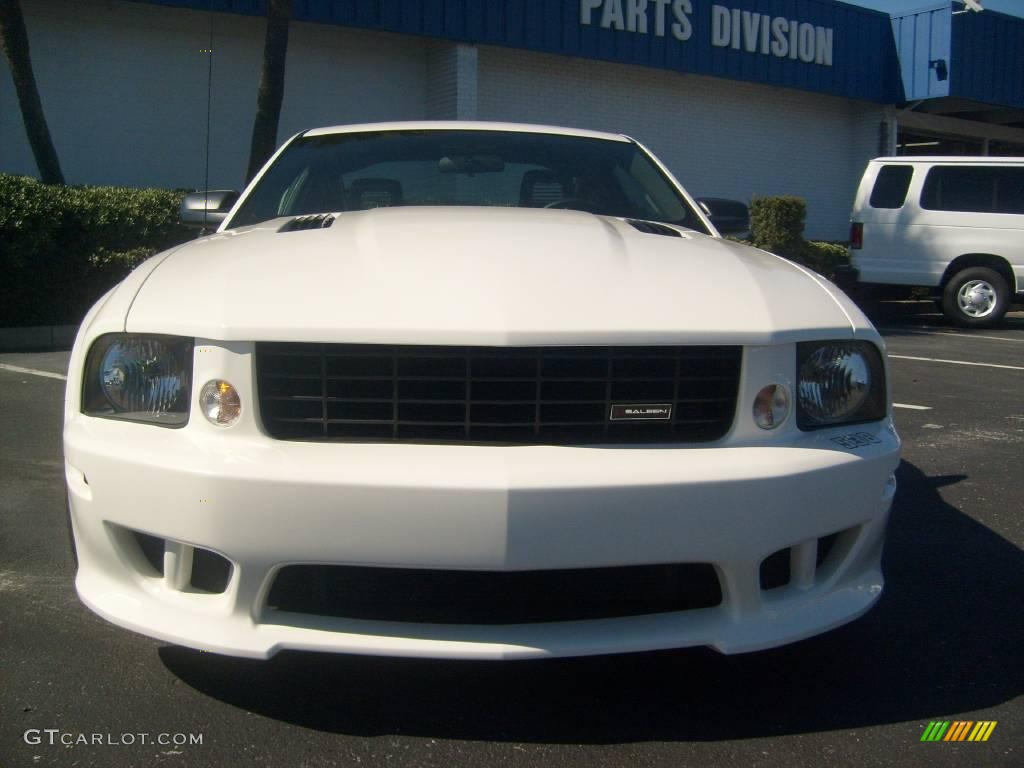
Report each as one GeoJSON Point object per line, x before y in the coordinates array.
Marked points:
{"type": "Point", "coordinates": [356, 171]}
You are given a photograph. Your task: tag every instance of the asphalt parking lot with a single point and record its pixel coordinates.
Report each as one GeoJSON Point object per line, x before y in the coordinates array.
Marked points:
{"type": "Point", "coordinates": [946, 641]}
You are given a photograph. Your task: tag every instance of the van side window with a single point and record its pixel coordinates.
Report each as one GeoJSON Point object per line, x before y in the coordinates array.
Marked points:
{"type": "Point", "coordinates": [1010, 190]}
{"type": "Point", "coordinates": [976, 189]}
{"type": "Point", "coordinates": [891, 186]}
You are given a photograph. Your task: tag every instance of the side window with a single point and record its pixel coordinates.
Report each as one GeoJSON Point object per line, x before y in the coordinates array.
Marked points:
{"type": "Point", "coordinates": [891, 186]}
{"type": "Point", "coordinates": [978, 189]}
{"type": "Point", "coordinates": [1010, 190]}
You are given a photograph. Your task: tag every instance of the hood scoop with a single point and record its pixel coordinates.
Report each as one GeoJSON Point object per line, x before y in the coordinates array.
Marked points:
{"type": "Point", "coordinates": [651, 228]}
{"type": "Point", "coordinates": [315, 221]}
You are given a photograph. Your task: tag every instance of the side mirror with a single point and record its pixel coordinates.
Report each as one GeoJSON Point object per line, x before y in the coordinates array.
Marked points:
{"type": "Point", "coordinates": [207, 209]}
{"type": "Point", "coordinates": [730, 217]}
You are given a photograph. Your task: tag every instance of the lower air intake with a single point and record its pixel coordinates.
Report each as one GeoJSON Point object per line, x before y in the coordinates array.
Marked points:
{"type": "Point", "coordinates": [493, 597]}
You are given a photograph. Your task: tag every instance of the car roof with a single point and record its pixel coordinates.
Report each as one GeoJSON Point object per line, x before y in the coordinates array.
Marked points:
{"type": "Point", "coordinates": [968, 159]}
{"type": "Point", "coordinates": [464, 125]}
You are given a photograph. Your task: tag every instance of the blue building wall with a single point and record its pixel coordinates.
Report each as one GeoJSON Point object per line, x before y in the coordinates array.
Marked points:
{"type": "Point", "coordinates": [988, 58]}
{"type": "Point", "coordinates": [746, 44]}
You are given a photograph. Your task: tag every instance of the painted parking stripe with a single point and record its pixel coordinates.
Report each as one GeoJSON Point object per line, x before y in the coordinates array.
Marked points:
{"type": "Point", "coordinates": [32, 372]}
{"type": "Point", "coordinates": [912, 407]}
{"type": "Point", "coordinates": [967, 336]}
{"type": "Point", "coordinates": [976, 336]}
{"type": "Point", "coordinates": [956, 362]}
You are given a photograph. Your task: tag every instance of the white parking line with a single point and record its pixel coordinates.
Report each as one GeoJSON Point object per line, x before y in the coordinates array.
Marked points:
{"type": "Point", "coordinates": [912, 407]}
{"type": "Point", "coordinates": [947, 333]}
{"type": "Point", "coordinates": [976, 336]}
{"type": "Point", "coordinates": [956, 362]}
{"type": "Point", "coordinates": [32, 372]}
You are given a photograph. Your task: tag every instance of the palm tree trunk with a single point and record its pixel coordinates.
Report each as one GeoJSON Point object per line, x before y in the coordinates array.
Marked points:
{"type": "Point", "coordinates": [271, 93]}
{"type": "Point", "coordinates": [14, 39]}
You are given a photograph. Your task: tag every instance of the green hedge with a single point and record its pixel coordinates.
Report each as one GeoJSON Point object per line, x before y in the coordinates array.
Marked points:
{"type": "Point", "coordinates": [61, 248]}
{"type": "Point", "coordinates": [777, 225]}
{"type": "Point", "coordinates": [823, 257]}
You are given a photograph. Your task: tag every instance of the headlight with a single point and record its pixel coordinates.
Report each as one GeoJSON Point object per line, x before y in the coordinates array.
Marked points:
{"type": "Point", "coordinates": [138, 377]}
{"type": "Point", "coordinates": [839, 382]}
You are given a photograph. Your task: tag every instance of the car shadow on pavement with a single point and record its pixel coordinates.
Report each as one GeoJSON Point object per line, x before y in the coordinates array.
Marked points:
{"type": "Point", "coordinates": [925, 314]}
{"type": "Point", "coordinates": [947, 637]}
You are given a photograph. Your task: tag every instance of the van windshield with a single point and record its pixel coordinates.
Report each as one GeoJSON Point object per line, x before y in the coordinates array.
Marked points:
{"type": "Point", "coordinates": [357, 171]}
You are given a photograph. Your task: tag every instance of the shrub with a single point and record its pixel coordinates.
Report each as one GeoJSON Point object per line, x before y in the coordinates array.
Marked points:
{"type": "Point", "coordinates": [823, 258]}
{"type": "Point", "coordinates": [777, 224]}
{"type": "Point", "coordinates": [61, 248]}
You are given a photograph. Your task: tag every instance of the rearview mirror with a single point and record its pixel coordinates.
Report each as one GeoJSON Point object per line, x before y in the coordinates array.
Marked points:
{"type": "Point", "coordinates": [207, 209]}
{"type": "Point", "coordinates": [730, 217]}
{"type": "Point", "coordinates": [471, 164]}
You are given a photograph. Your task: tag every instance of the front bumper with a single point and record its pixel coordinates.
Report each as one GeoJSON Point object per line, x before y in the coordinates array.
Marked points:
{"type": "Point", "coordinates": [264, 504]}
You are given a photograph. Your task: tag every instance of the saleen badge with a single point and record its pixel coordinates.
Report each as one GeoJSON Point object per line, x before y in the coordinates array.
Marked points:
{"type": "Point", "coordinates": [660, 412]}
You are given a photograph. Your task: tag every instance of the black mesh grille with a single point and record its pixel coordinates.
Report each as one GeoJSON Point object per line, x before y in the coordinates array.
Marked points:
{"type": "Point", "coordinates": [549, 395]}
{"type": "Point", "coordinates": [492, 597]}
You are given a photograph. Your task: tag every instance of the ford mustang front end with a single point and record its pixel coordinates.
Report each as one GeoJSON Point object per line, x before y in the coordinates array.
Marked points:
{"type": "Point", "coordinates": [476, 391]}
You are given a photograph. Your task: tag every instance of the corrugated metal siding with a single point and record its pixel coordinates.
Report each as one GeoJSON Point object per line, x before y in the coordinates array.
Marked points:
{"type": "Point", "coordinates": [864, 62]}
{"type": "Point", "coordinates": [923, 37]}
{"type": "Point", "coordinates": [988, 58]}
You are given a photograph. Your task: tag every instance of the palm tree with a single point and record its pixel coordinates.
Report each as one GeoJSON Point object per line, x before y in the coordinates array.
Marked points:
{"type": "Point", "coordinates": [271, 93]}
{"type": "Point", "coordinates": [14, 39]}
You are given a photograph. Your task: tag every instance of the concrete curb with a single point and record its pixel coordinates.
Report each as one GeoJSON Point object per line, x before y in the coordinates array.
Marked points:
{"type": "Point", "coordinates": [37, 337]}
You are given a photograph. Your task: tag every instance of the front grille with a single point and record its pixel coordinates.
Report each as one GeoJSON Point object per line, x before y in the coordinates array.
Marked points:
{"type": "Point", "coordinates": [492, 597]}
{"type": "Point", "coordinates": [547, 395]}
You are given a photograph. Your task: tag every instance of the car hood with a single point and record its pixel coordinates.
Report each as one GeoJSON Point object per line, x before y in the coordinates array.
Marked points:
{"type": "Point", "coordinates": [481, 276]}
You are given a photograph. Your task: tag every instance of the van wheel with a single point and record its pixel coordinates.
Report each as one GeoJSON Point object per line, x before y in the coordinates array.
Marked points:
{"type": "Point", "coordinates": [976, 297]}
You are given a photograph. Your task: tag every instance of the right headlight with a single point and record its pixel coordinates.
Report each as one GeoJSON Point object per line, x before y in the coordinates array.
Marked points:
{"type": "Point", "coordinates": [139, 377]}
{"type": "Point", "coordinates": [839, 382]}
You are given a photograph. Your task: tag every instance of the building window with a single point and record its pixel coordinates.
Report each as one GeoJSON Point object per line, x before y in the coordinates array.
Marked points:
{"type": "Point", "coordinates": [1005, 149]}
{"type": "Point", "coordinates": [924, 144]}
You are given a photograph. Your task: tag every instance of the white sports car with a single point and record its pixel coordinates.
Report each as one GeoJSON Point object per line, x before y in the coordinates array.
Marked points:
{"type": "Point", "coordinates": [475, 390]}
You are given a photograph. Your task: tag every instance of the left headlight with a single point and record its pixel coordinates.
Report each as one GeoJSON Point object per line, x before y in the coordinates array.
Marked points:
{"type": "Point", "coordinates": [139, 377]}
{"type": "Point", "coordinates": [839, 382]}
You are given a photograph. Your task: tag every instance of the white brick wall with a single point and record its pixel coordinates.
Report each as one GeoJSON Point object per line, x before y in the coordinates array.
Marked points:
{"type": "Point", "coordinates": [124, 89]}
{"type": "Point", "coordinates": [719, 137]}
{"type": "Point", "coordinates": [451, 81]}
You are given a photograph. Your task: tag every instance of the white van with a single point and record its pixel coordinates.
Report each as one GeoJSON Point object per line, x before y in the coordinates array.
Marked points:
{"type": "Point", "coordinates": [951, 224]}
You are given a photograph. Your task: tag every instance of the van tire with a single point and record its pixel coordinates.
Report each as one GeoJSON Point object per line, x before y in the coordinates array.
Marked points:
{"type": "Point", "coordinates": [976, 297]}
